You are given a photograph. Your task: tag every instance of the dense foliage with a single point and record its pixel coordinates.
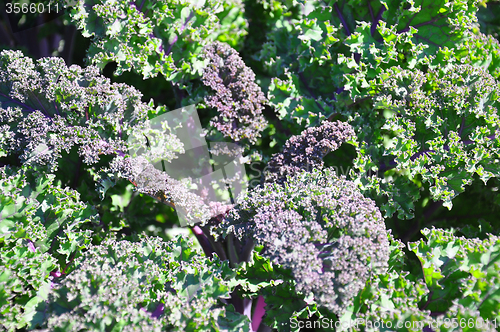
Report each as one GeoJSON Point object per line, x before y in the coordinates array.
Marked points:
{"type": "Point", "coordinates": [368, 136]}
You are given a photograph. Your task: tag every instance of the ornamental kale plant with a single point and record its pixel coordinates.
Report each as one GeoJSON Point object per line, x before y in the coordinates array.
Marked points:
{"type": "Point", "coordinates": [334, 239]}
{"type": "Point", "coordinates": [237, 98]}
{"type": "Point", "coordinates": [270, 165]}
{"type": "Point", "coordinates": [146, 280]}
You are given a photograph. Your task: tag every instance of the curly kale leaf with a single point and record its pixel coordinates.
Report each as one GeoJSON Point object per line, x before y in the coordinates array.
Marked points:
{"type": "Point", "coordinates": [275, 285]}
{"type": "Point", "coordinates": [324, 58]}
{"type": "Point", "coordinates": [236, 97]}
{"type": "Point", "coordinates": [320, 227]}
{"type": "Point", "coordinates": [191, 45]}
{"type": "Point", "coordinates": [317, 50]}
{"type": "Point", "coordinates": [151, 284]}
{"type": "Point", "coordinates": [157, 36]}
{"type": "Point", "coordinates": [307, 150]}
{"type": "Point", "coordinates": [440, 125]}
{"type": "Point", "coordinates": [461, 274]}
{"type": "Point", "coordinates": [391, 298]}
{"type": "Point", "coordinates": [47, 108]}
{"type": "Point", "coordinates": [42, 228]}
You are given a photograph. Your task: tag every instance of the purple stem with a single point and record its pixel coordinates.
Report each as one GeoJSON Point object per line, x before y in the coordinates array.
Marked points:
{"type": "Point", "coordinates": [259, 313]}
{"type": "Point", "coordinates": [171, 45]}
{"type": "Point", "coordinates": [376, 20]}
{"type": "Point", "coordinates": [407, 27]}
{"type": "Point", "coordinates": [371, 11]}
{"type": "Point", "coordinates": [203, 240]}
{"type": "Point", "coordinates": [142, 4]}
{"type": "Point", "coordinates": [159, 311]}
{"type": "Point", "coordinates": [242, 306]}
{"type": "Point", "coordinates": [218, 248]}
{"type": "Point", "coordinates": [153, 36]}
{"type": "Point", "coordinates": [120, 128]}
{"type": "Point", "coordinates": [418, 154]}
{"type": "Point", "coordinates": [28, 108]}
{"type": "Point", "coordinates": [461, 127]}
{"type": "Point", "coordinates": [44, 111]}
{"type": "Point", "coordinates": [470, 142]}
{"type": "Point", "coordinates": [427, 40]}
{"type": "Point", "coordinates": [339, 13]}
{"type": "Point", "coordinates": [311, 93]}
{"type": "Point", "coordinates": [246, 251]}
{"type": "Point", "coordinates": [56, 273]}
{"type": "Point", "coordinates": [191, 14]}
{"type": "Point", "coordinates": [392, 164]}
{"type": "Point", "coordinates": [31, 246]}
{"type": "Point", "coordinates": [247, 308]}
{"type": "Point", "coordinates": [357, 56]}
{"type": "Point", "coordinates": [57, 109]}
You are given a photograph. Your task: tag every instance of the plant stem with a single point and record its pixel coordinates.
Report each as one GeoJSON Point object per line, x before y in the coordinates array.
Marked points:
{"type": "Point", "coordinates": [203, 241]}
